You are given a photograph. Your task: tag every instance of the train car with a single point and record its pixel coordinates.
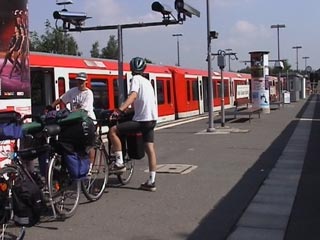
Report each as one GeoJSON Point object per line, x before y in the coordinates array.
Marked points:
{"type": "Point", "coordinates": [180, 92]}
{"type": "Point", "coordinates": [191, 90]}
{"type": "Point", "coordinates": [188, 91]}
{"type": "Point", "coordinates": [52, 75]}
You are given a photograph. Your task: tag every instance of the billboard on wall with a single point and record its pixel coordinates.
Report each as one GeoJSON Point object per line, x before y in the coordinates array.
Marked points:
{"type": "Point", "coordinates": [14, 50]}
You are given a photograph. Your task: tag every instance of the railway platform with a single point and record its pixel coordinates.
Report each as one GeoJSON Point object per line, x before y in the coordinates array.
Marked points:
{"type": "Point", "coordinates": [252, 181]}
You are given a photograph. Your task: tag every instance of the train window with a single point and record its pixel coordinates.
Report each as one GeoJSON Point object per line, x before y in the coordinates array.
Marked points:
{"type": "Point", "coordinates": [100, 89]}
{"type": "Point", "coordinates": [188, 91]}
{"type": "Point", "coordinates": [218, 89]}
{"type": "Point", "coordinates": [195, 90]}
{"type": "Point", "coordinates": [37, 96]}
{"type": "Point", "coordinates": [169, 91]}
{"type": "Point", "coordinates": [226, 89]}
{"type": "Point", "coordinates": [160, 92]}
{"type": "Point", "coordinates": [61, 86]}
{"type": "Point", "coordinates": [215, 85]}
{"type": "Point", "coordinates": [72, 83]}
{"type": "Point", "coordinates": [200, 90]}
{"type": "Point", "coordinates": [232, 88]}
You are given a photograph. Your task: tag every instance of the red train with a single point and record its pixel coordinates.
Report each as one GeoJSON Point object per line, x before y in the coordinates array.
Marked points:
{"type": "Point", "coordinates": [180, 92]}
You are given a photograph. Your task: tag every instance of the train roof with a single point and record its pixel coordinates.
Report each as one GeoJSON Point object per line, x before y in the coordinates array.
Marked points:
{"type": "Point", "coordinates": [39, 59]}
{"type": "Point", "coordinates": [205, 72]}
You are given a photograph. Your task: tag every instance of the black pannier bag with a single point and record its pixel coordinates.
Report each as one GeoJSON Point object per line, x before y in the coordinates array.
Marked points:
{"type": "Point", "coordinates": [78, 130]}
{"type": "Point", "coordinates": [9, 116]}
{"type": "Point", "coordinates": [28, 203]}
{"type": "Point", "coordinates": [4, 201]}
{"type": "Point", "coordinates": [135, 145]}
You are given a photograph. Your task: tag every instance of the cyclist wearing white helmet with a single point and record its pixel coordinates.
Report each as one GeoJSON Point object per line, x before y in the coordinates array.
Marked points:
{"type": "Point", "coordinates": [143, 99]}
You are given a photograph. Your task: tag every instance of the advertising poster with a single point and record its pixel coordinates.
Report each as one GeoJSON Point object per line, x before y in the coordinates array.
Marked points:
{"type": "Point", "coordinates": [14, 50]}
{"type": "Point", "coordinates": [260, 86]}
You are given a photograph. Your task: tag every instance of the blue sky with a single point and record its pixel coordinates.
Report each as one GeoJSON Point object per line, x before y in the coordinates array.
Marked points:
{"type": "Point", "coordinates": [243, 26]}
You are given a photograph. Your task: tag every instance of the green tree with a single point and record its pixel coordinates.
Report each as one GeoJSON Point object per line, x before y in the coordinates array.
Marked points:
{"type": "Point", "coordinates": [95, 52]}
{"type": "Point", "coordinates": [286, 67]}
{"type": "Point", "coordinates": [272, 70]}
{"type": "Point", "coordinates": [245, 70]}
{"type": "Point", "coordinates": [111, 50]}
{"type": "Point", "coordinates": [54, 40]}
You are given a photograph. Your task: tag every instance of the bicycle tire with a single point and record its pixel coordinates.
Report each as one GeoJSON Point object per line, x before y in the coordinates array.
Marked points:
{"type": "Point", "coordinates": [93, 186]}
{"type": "Point", "coordinates": [6, 183]}
{"type": "Point", "coordinates": [7, 176]}
{"type": "Point", "coordinates": [63, 190]}
{"type": "Point", "coordinates": [125, 177]}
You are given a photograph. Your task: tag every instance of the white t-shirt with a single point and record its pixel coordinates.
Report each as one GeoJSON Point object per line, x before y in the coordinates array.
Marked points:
{"type": "Point", "coordinates": [80, 100]}
{"type": "Point", "coordinates": [145, 106]}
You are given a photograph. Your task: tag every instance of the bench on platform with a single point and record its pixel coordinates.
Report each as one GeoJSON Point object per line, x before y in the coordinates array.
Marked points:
{"type": "Point", "coordinates": [242, 106]}
{"type": "Point", "coordinates": [276, 104]}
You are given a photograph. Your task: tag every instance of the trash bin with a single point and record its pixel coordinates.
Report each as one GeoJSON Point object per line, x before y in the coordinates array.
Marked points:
{"type": "Point", "coordinates": [286, 97]}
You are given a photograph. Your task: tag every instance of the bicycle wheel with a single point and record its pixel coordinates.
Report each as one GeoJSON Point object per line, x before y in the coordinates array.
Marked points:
{"type": "Point", "coordinates": [125, 177]}
{"type": "Point", "coordinates": [63, 190]}
{"type": "Point", "coordinates": [7, 177]}
{"type": "Point", "coordinates": [94, 184]}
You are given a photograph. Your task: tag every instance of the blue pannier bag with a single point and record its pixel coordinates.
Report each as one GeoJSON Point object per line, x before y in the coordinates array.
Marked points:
{"type": "Point", "coordinates": [10, 126]}
{"type": "Point", "coordinates": [9, 131]}
{"type": "Point", "coordinates": [77, 164]}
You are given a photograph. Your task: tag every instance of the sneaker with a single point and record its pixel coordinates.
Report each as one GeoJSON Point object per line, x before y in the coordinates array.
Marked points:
{"type": "Point", "coordinates": [148, 187]}
{"type": "Point", "coordinates": [114, 168]}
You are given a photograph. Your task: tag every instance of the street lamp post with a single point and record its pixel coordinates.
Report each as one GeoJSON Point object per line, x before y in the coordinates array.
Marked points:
{"type": "Point", "coordinates": [278, 26]}
{"type": "Point", "coordinates": [210, 90]}
{"type": "Point", "coordinates": [297, 55]}
{"type": "Point", "coordinates": [177, 35]}
{"type": "Point", "coordinates": [305, 62]}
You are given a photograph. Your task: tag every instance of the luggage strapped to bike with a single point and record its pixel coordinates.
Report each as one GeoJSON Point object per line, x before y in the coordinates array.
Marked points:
{"type": "Point", "coordinates": [10, 125]}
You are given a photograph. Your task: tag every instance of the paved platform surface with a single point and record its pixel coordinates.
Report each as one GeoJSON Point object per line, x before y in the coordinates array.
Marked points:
{"type": "Point", "coordinates": [258, 180]}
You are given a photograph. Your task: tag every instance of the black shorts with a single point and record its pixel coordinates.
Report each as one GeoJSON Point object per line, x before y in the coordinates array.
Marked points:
{"type": "Point", "coordinates": [146, 128]}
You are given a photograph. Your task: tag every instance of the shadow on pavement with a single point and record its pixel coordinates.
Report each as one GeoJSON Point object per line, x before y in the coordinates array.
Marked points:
{"type": "Point", "coordinates": [304, 220]}
{"type": "Point", "coordinates": [219, 223]}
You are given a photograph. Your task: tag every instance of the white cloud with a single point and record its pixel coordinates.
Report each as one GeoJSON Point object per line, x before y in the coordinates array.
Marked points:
{"type": "Point", "coordinates": [244, 27]}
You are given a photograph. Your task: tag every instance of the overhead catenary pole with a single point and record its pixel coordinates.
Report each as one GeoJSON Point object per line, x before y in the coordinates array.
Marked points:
{"type": "Point", "coordinates": [121, 92]}
{"type": "Point", "coordinates": [229, 58]}
{"type": "Point", "coordinates": [278, 26]}
{"type": "Point", "coordinates": [177, 35]}
{"type": "Point", "coordinates": [305, 62]}
{"type": "Point", "coordinates": [210, 90]}
{"type": "Point", "coordinates": [297, 56]}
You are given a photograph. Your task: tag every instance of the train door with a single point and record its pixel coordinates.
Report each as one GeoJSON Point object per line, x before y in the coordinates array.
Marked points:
{"type": "Point", "coordinates": [164, 95]}
{"type": "Point", "coordinates": [42, 89]}
{"type": "Point", "coordinates": [219, 92]}
{"type": "Point", "coordinates": [200, 93]}
{"type": "Point", "coordinates": [193, 95]}
{"type": "Point", "coordinates": [232, 91]}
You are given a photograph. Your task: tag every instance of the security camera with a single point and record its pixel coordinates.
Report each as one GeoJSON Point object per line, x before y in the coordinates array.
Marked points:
{"type": "Point", "coordinates": [184, 10]}
{"type": "Point", "coordinates": [162, 8]}
{"type": "Point", "coordinates": [75, 18]}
